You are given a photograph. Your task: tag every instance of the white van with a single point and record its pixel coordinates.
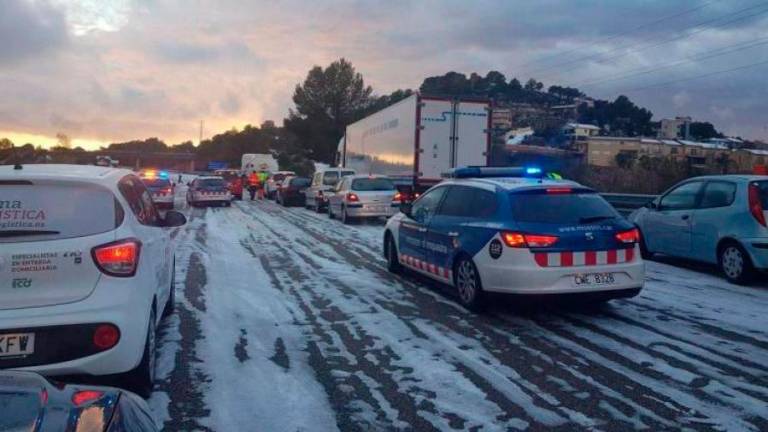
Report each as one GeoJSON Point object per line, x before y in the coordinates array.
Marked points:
{"type": "Point", "coordinates": [323, 182]}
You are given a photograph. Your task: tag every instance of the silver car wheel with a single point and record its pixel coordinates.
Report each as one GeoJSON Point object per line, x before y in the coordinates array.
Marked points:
{"type": "Point", "coordinates": [466, 281]}
{"type": "Point", "coordinates": [733, 262]}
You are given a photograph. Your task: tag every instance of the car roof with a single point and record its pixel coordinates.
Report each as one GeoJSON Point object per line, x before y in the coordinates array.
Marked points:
{"type": "Point", "coordinates": [734, 177]}
{"type": "Point", "coordinates": [358, 176]}
{"type": "Point", "coordinates": [92, 173]}
{"type": "Point", "coordinates": [209, 177]}
{"type": "Point", "coordinates": [511, 183]}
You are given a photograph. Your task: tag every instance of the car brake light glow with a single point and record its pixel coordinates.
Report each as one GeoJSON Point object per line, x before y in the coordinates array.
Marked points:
{"type": "Point", "coordinates": [559, 190]}
{"type": "Point", "coordinates": [631, 236]}
{"type": "Point", "coordinates": [351, 197]}
{"type": "Point", "coordinates": [398, 197]}
{"type": "Point", "coordinates": [106, 336]}
{"type": "Point", "coordinates": [118, 258]}
{"type": "Point", "coordinates": [518, 240]}
{"type": "Point", "coordinates": [83, 397]}
{"type": "Point", "coordinates": [755, 204]}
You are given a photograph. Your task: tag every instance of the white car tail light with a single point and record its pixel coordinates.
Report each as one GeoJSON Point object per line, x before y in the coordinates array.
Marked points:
{"type": "Point", "coordinates": [120, 258]}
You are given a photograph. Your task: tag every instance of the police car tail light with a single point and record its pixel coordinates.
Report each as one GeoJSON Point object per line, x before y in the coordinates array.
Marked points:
{"type": "Point", "coordinates": [537, 240]}
{"type": "Point", "coordinates": [519, 240]}
{"type": "Point", "coordinates": [398, 197]}
{"type": "Point", "coordinates": [119, 258]}
{"type": "Point", "coordinates": [352, 197]}
{"type": "Point", "coordinates": [559, 190]}
{"type": "Point", "coordinates": [631, 236]}
{"type": "Point", "coordinates": [514, 240]}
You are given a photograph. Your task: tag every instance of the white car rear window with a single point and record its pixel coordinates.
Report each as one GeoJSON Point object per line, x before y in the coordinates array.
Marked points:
{"type": "Point", "coordinates": [33, 212]}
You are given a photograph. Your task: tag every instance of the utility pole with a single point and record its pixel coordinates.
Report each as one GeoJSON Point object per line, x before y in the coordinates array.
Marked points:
{"type": "Point", "coordinates": [201, 133]}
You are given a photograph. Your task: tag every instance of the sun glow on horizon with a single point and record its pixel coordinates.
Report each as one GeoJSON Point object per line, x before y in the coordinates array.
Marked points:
{"type": "Point", "coordinates": [45, 141]}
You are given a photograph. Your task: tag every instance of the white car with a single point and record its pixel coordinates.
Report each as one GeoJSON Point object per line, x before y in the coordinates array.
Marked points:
{"type": "Point", "coordinates": [86, 271]}
{"type": "Point", "coordinates": [496, 230]}
{"type": "Point", "coordinates": [209, 190]}
{"type": "Point", "coordinates": [363, 196]}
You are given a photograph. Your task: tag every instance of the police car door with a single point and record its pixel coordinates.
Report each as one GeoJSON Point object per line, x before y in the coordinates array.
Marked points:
{"type": "Point", "coordinates": [413, 228]}
{"type": "Point", "coordinates": [461, 223]}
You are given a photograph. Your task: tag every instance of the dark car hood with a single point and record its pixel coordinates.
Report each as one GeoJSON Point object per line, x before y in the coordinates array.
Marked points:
{"type": "Point", "coordinates": [29, 402]}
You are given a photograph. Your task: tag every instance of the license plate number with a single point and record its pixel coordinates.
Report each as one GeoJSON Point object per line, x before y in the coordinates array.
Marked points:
{"type": "Point", "coordinates": [17, 344]}
{"type": "Point", "coordinates": [594, 279]}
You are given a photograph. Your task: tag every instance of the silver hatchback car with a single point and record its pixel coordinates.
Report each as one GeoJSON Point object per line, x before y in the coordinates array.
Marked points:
{"type": "Point", "coordinates": [714, 219]}
{"type": "Point", "coordinates": [362, 196]}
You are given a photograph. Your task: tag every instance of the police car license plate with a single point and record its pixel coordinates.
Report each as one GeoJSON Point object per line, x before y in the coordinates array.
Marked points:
{"type": "Point", "coordinates": [594, 279]}
{"type": "Point", "coordinates": [16, 344]}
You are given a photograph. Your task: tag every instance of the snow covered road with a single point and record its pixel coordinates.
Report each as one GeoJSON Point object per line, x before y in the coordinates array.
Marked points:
{"type": "Point", "coordinates": [289, 321]}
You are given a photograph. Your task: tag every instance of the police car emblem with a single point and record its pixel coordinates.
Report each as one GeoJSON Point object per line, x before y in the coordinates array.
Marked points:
{"type": "Point", "coordinates": [589, 236]}
{"type": "Point", "coordinates": [495, 249]}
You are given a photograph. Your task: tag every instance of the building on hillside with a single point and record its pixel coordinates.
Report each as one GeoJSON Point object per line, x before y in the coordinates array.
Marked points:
{"type": "Point", "coordinates": [501, 119]}
{"type": "Point", "coordinates": [676, 128]}
{"type": "Point", "coordinates": [570, 112]}
{"type": "Point", "coordinates": [576, 131]}
{"type": "Point", "coordinates": [604, 151]}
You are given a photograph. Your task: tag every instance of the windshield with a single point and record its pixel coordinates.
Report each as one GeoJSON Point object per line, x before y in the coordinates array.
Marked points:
{"type": "Point", "coordinates": [372, 184]}
{"type": "Point", "coordinates": [279, 177]}
{"type": "Point", "coordinates": [560, 208]}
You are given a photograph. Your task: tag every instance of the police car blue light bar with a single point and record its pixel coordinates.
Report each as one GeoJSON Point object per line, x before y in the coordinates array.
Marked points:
{"type": "Point", "coordinates": [489, 172]}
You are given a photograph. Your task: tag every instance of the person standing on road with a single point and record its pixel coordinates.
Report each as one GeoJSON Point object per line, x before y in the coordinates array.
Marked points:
{"type": "Point", "coordinates": [253, 184]}
{"type": "Point", "coordinates": [263, 176]}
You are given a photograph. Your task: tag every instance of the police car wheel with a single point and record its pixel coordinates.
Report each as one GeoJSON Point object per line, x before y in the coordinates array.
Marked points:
{"type": "Point", "coordinates": [393, 264]}
{"type": "Point", "coordinates": [330, 212]}
{"type": "Point", "coordinates": [468, 284]}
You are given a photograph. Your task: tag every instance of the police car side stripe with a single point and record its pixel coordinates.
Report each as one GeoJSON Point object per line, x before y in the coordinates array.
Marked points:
{"type": "Point", "coordinates": [612, 257]}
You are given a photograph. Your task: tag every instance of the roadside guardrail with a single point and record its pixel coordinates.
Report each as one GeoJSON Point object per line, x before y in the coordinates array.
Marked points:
{"type": "Point", "coordinates": [626, 203]}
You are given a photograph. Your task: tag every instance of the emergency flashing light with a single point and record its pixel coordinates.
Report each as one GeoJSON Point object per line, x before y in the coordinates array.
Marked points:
{"type": "Point", "coordinates": [490, 172]}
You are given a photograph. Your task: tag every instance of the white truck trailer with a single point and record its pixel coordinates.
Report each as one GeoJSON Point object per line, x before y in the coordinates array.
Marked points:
{"type": "Point", "coordinates": [417, 139]}
{"type": "Point", "coordinates": [251, 162]}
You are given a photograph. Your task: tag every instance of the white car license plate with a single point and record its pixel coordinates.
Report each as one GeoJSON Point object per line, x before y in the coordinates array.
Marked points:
{"type": "Point", "coordinates": [376, 208]}
{"type": "Point", "coordinates": [594, 279]}
{"type": "Point", "coordinates": [16, 344]}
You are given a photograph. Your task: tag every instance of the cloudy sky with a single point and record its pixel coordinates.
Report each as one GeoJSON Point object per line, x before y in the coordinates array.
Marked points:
{"type": "Point", "coordinates": [111, 70]}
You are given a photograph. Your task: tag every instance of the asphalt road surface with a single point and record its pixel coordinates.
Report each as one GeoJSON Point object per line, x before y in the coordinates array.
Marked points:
{"type": "Point", "coordinates": [289, 321]}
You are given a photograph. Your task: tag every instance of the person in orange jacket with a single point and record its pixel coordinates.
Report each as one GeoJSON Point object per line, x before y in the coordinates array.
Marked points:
{"type": "Point", "coordinates": [254, 184]}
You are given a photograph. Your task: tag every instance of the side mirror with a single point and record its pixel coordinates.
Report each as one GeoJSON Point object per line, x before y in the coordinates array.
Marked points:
{"type": "Point", "coordinates": [405, 208]}
{"type": "Point", "coordinates": [652, 205]}
{"type": "Point", "coordinates": [174, 219]}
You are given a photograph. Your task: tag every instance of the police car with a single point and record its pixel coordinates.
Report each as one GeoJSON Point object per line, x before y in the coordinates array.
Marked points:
{"type": "Point", "coordinates": [512, 230]}
{"type": "Point", "coordinates": [160, 186]}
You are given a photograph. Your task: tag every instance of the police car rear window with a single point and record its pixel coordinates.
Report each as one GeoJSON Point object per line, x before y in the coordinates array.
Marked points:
{"type": "Point", "coordinates": [372, 184]}
{"type": "Point", "coordinates": [51, 211]}
{"type": "Point", "coordinates": [156, 183]}
{"type": "Point", "coordinates": [212, 183]}
{"type": "Point", "coordinates": [560, 208]}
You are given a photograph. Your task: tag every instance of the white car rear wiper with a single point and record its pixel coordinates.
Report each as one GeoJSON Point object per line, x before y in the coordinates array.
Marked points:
{"type": "Point", "coordinates": [21, 233]}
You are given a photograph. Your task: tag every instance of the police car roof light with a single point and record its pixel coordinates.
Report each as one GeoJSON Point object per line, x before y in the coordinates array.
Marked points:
{"type": "Point", "coordinates": [491, 172]}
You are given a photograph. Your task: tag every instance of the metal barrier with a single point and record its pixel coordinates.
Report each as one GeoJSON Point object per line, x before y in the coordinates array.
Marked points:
{"type": "Point", "coordinates": [626, 203]}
